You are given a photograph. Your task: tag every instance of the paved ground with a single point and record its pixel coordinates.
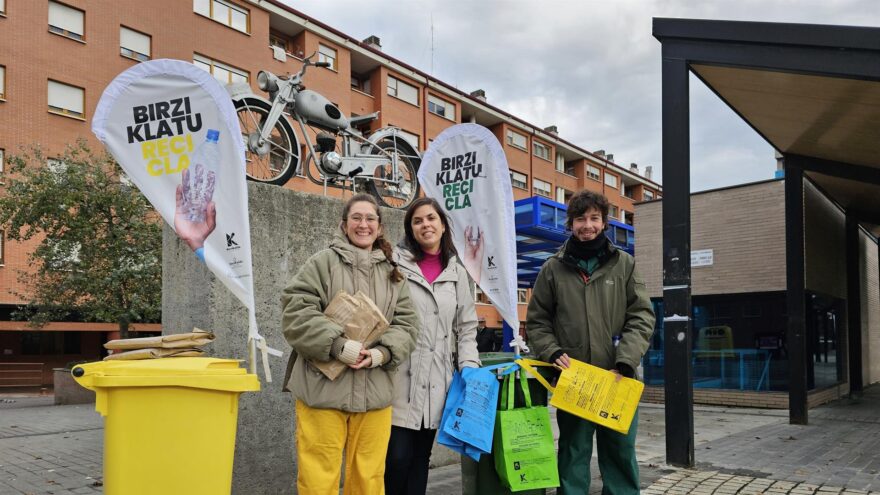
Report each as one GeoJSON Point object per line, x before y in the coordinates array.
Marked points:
{"type": "Point", "coordinates": [46, 449]}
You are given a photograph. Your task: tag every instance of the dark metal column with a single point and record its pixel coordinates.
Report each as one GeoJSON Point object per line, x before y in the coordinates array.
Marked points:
{"type": "Point", "coordinates": [796, 297]}
{"type": "Point", "coordinates": [854, 306]}
{"type": "Point", "coordinates": [677, 263]}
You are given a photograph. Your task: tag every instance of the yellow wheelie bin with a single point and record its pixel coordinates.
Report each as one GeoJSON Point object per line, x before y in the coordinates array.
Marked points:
{"type": "Point", "coordinates": [169, 424]}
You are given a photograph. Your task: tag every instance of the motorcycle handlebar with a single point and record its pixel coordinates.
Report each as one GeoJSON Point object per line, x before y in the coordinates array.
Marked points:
{"type": "Point", "coordinates": [267, 81]}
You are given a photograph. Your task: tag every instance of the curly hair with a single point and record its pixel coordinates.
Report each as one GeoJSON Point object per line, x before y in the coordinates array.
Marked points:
{"type": "Point", "coordinates": [584, 201]}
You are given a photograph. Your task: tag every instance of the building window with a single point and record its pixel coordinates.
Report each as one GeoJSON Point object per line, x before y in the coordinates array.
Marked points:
{"type": "Point", "coordinates": [628, 191]}
{"type": "Point", "coordinates": [224, 12]}
{"type": "Point", "coordinates": [2, 82]}
{"type": "Point", "coordinates": [66, 21]}
{"type": "Point", "coordinates": [571, 169]}
{"type": "Point", "coordinates": [68, 100]}
{"type": "Point", "coordinates": [541, 151]}
{"type": "Point", "coordinates": [563, 195]}
{"type": "Point", "coordinates": [414, 139]}
{"type": "Point", "coordinates": [2, 7]}
{"type": "Point", "coordinates": [611, 180]}
{"type": "Point", "coordinates": [51, 343]}
{"type": "Point", "coordinates": [518, 180]}
{"type": "Point", "coordinates": [133, 44]}
{"type": "Point", "coordinates": [594, 172]}
{"type": "Point", "coordinates": [522, 296]}
{"type": "Point", "coordinates": [327, 54]}
{"type": "Point", "coordinates": [2, 162]}
{"type": "Point", "coordinates": [613, 212]}
{"type": "Point", "coordinates": [279, 41]}
{"type": "Point", "coordinates": [647, 195]}
{"type": "Point", "coordinates": [403, 91]}
{"type": "Point", "coordinates": [226, 74]}
{"type": "Point", "coordinates": [2, 247]}
{"type": "Point", "coordinates": [541, 188]}
{"type": "Point", "coordinates": [560, 163]}
{"type": "Point", "coordinates": [480, 297]}
{"type": "Point", "coordinates": [441, 107]}
{"type": "Point", "coordinates": [361, 83]}
{"type": "Point", "coordinates": [516, 140]}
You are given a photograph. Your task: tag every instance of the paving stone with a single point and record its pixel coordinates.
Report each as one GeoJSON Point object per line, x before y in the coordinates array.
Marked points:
{"type": "Point", "coordinates": [759, 452]}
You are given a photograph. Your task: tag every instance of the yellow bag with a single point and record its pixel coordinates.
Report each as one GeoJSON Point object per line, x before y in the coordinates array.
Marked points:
{"type": "Point", "coordinates": [592, 393]}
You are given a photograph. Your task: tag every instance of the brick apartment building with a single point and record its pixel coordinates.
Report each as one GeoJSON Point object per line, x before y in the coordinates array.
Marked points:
{"type": "Point", "coordinates": [57, 57]}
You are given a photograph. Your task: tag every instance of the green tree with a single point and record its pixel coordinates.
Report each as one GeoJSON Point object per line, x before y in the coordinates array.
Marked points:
{"type": "Point", "coordinates": [100, 240]}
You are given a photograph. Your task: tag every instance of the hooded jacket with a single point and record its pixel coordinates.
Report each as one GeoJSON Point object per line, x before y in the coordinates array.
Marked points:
{"type": "Point", "coordinates": [448, 329]}
{"type": "Point", "coordinates": [311, 334]}
{"type": "Point", "coordinates": [581, 318]}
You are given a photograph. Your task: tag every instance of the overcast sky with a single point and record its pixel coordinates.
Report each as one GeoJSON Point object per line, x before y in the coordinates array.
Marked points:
{"type": "Point", "coordinates": [591, 68]}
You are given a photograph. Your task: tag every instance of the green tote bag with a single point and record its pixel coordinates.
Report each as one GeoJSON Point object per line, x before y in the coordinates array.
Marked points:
{"type": "Point", "coordinates": [525, 457]}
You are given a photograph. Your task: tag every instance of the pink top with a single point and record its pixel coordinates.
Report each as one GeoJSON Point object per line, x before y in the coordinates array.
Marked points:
{"type": "Point", "coordinates": [431, 267]}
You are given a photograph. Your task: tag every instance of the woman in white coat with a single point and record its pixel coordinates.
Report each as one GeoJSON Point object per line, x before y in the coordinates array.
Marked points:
{"type": "Point", "coordinates": [440, 290]}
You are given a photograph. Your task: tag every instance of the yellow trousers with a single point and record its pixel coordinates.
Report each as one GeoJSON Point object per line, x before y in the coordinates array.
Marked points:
{"type": "Point", "coordinates": [321, 437]}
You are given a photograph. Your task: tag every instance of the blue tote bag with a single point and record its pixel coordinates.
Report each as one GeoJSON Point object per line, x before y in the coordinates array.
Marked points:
{"type": "Point", "coordinates": [468, 421]}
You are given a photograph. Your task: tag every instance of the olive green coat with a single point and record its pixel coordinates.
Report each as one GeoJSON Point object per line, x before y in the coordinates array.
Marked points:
{"type": "Point", "coordinates": [580, 318]}
{"type": "Point", "coordinates": [311, 334]}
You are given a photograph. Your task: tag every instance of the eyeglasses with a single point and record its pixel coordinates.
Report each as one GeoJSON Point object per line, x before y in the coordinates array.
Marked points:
{"type": "Point", "coordinates": [356, 219]}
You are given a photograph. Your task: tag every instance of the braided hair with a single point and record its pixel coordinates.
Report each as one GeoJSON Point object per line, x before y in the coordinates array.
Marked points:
{"type": "Point", "coordinates": [380, 242]}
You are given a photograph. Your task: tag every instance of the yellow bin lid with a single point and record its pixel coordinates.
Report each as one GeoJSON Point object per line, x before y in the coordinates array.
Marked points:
{"type": "Point", "coordinates": [191, 372]}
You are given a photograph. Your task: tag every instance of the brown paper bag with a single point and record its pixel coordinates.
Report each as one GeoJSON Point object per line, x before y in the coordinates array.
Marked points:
{"type": "Point", "coordinates": [362, 321]}
{"type": "Point", "coordinates": [196, 338]}
{"type": "Point", "coordinates": [153, 353]}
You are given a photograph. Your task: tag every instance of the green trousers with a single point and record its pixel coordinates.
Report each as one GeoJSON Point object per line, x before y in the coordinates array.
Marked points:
{"type": "Point", "coordinates": [617, 456]}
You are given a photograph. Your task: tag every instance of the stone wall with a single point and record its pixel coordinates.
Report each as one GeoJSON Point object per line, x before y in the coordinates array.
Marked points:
{"type": "Point", "coordinates": [286, 228]}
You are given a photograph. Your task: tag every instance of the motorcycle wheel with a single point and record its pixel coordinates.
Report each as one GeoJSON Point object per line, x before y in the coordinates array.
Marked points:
{"type": "Point", "coordinates": [278, 163]}
{"type": "Point", "coordinates": [405, 190]}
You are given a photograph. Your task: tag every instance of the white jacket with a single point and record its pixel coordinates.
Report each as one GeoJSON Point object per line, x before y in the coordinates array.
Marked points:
{"type": "Point", "coordinates": [449, 326]}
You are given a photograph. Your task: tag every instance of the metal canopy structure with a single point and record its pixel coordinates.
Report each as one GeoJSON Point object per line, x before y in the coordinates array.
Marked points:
{"type": "Point", "coordinates": [811, 91]}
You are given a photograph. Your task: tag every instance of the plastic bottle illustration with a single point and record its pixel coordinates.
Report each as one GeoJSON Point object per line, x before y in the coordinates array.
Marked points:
{"type": "Point", "coordinates": [199, 189]}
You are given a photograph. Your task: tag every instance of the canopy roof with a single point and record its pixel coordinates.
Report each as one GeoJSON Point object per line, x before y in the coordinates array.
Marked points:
{"type": "Point", "coordinates": [812, 91]}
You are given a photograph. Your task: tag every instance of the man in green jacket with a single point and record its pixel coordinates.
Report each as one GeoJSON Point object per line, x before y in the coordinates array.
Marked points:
{"type": "Point", "coordinates": [589, 304]}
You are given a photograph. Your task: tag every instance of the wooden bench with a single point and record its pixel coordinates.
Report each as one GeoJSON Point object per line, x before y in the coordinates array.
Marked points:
{"type": "Point", "coordinates": [21, 374]}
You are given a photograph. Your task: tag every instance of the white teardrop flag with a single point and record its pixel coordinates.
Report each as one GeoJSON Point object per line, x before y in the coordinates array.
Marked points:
{"type": "Point", "coordinates": [173, 129]}
{"type": "Point", "coordinates": [465, 170]}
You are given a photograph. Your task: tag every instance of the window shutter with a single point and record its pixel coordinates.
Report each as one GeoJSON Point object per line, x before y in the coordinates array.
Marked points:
{"type": "Point", "coordinates": [239, 20]}
{"type": "Point", "coordinates": [408, 93]}
{"type": "Point", "coordinates": [134, 41]}
{"type": "Point", "coordinates": [66, 18]}
{"type": "Point", "coordinates": [202, 7]}
{"type": "Point", "coordinates": [66, 97]}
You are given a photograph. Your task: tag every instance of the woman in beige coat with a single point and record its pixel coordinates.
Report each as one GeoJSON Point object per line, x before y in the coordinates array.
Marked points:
{"type": "Point", "coordinates": [441, 294]}
{"type": "Point", "coordinates": [351, 413]}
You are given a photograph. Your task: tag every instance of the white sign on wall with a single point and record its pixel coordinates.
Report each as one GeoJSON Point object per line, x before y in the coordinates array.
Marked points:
{"type": "Point", "coordinates": [702, 257]}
